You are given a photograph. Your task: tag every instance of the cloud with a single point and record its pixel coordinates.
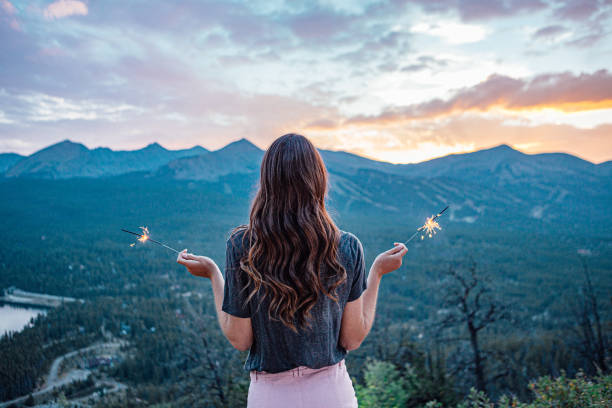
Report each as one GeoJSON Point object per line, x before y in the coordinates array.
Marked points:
{"type": "Point", "coordinates": [453, 33]}
{"type": "Point", "coordinates": [424, 140]}
{"type": "Point", "coordinates": [208, 71]}
{"type": "Point", "coordinates": [8, 7]}
{"type": "Point", "coordinates": [424, 62]}
{"type": "Point", "coordinates": [587, 40]}
{"type": "Point", "coordinates": [65, 8]}
{"type": "Point", "coordinates": [561, 91]}
{"type": "Point", "coordinates": [17, 146]}
{"type": "Point", "coordinates": [579, 10]}
{"type": "Point", "coordinates": [8, 14]}
{"type": "Point", "coordinates": [319, 24]}
{"type": "Point", "coordinates": [198, 115]}
{"type": "Point", "coordinates": [550, 31]}
{"type": "Point", "coordinates": [39, 107]}
{"type": "Point", "coordinates": [590, 20]}
{"type": "Point", "coordinates": [472, 10]}
{"type": "Point", "coordinates": [4, 119]}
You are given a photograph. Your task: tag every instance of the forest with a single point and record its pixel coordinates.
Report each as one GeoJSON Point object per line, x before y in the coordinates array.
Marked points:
{"type": "Point", "coordinates": [478, 315]}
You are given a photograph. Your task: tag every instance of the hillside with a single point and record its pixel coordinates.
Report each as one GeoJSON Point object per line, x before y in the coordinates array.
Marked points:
{"type": "Point", "coordinates": [526, 220]}
{"type": "Point", "coordinates": [68, 159]}
{"type": "Point", "coordinates": [496, 186]}
{"type": "Point", "coordinates": [240, 157]}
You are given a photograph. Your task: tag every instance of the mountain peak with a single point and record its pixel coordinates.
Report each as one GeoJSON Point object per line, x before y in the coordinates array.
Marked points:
{"type": "Point", "coordinates": [503, 146]}
{"type": "Point", "coordinates": [44, 163]}
{"type": "Point", "coordinates": [66, 143]}
{"type": "Point", "coordinates": [238, 157]}
{"type": "Point", "coordinates": [64, 147]}
{"type": "Point", "coordinates": [503, 151]}
{"type": "Point", "coordinates": [243, 141]}
{"type": "Point", "coordinates": [240, 145]}
{"type": "Point", "coordinates": [197, 149]}
{"type": "Point", "coordinates": [154, 146]}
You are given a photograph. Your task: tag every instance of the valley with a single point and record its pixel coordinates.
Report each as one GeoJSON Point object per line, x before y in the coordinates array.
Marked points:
{"type": "Point", "coordinates": [535, 225]}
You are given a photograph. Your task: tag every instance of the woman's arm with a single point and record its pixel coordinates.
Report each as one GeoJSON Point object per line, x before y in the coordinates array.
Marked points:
{"type": "Point", "coordinates": [237, 330]}
{"type": "Point", "coordinates": [358, 315]}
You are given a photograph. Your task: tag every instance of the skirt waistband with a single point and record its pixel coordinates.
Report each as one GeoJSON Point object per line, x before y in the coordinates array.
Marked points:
{"type": "Point", "coordinates": [294, 372]}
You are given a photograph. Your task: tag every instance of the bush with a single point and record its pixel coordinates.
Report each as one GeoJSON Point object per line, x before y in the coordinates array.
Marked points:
{"type": "Point", "coordinates": [384, 387]}
{"type": "Point", "coordinates": [560, 392]}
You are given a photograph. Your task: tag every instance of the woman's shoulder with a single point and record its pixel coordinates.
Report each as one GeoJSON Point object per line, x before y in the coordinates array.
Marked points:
{"type": "Point", "coordinates": [349, 242]}
{"type": "Point", "coordinates": [236, 237]}
{"type": "Point", "coordinates": [350, 250]}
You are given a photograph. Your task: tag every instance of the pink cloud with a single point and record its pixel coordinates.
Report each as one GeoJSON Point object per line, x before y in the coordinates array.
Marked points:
{"type": "Point", "coordinates": [429, 139]}
{"type": "Point", "coordinates": [7, 7]}
{"type": "Point", "coordinates": [65, 8]}
{"type": "Point", "coordinates": [9, 14]}
{"type": "Point", "coordinates": [563, 91]}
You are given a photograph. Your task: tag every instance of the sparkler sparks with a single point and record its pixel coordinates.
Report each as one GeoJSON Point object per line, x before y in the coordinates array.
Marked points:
{"type": "Point", "coordinates": [145, 236]}
{"type": "Point", "coordinates": [429, 228]}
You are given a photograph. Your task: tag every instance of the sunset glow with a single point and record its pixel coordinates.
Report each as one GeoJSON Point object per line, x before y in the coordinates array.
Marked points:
{"type": "Point", "coordinates": [394, 81]}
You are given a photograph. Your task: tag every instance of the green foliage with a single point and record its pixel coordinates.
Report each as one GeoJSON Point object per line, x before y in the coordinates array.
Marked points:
{"type": "Point", "coordinates": [26, 355]}
{"type": "Point", "coordinates": [412, 386]}
{"type": "Point", "coordinates": [560, 392]}
{"type": "Point", "coordinates": [425, 385]}
{"type": "Point", "coordinates": [579, 392]}
{"type": "Point", "coordinates": [384, 387]}
{"type": "Point", "coordinates": [62, 237]}
{"type": "Point", "coordinates": [388, 387]}
{"type": "Point", "coordinates": [476, 399]}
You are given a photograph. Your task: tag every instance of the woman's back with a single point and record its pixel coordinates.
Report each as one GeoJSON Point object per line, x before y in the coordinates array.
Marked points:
{"type": "Point", "coordinates": [275, 346]}
{"type": "Point", "coordinates": [294, 292]}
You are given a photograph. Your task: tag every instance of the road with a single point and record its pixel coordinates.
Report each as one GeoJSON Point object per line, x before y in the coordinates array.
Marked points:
{"type": "Point", "coordinates": [54, 380]}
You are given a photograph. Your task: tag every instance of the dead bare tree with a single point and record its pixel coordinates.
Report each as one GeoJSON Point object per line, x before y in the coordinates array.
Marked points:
{"type": "Point", "coordinates": [469, 305]}
{"type": "Point", "coordinates": [594, 341]}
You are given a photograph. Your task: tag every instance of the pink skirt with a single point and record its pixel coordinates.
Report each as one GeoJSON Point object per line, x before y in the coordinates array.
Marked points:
{"type": "Point", "coordinates": [303, 387]}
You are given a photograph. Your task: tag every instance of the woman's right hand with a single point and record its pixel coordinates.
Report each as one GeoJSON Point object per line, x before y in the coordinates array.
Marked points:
{"type": "Point", "coordinates": [390, 260]}
{"type": "Point", "coordinates": [197, 265]}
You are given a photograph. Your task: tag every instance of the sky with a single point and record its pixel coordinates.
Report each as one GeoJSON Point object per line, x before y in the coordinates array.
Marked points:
{"type": "Point", "coordinates": [400, 81]}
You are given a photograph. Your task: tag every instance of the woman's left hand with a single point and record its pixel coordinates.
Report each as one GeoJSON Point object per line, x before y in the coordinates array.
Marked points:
{"type": "Point", "coordinates": [390, 260]}
{"type": "Point", "coordinates": [197, 265]}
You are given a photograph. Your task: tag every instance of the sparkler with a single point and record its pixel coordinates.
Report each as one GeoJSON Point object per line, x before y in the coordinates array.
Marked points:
{"type": "Point", "coordinates": [430, 227]}
{"type": "Point", "coordinates": [144, 237]}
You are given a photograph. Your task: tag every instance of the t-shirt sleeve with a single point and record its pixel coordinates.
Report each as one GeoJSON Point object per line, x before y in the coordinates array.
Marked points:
{"type": "Point", "coordinates": [359, 272]}
{"type": "Point", "coordinates": [235, 281]}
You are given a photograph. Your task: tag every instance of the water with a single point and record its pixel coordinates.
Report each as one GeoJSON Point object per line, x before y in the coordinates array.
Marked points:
{"type": "Point", "coordinates": [13, 318]}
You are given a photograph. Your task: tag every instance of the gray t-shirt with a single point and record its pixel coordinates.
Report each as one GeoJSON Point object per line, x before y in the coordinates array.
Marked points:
{"type": "Point", "coordinates": [277, 348]}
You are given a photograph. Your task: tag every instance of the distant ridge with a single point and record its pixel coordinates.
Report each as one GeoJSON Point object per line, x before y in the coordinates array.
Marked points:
{"type": "Point", "coordinates": [243, 145]}
{"type": "Point", "coordinates": [239, 157]}
{"type": "Point", "coordinates": [68, 159]}
{"type": "Point", "coordinates": [605, 168]}
{"type": "Point", "coordinates": [8, 160]}
{"type": "Point", "coordinates": [497, 165]}
{"type": "Point", "coordinates": [495, 185]}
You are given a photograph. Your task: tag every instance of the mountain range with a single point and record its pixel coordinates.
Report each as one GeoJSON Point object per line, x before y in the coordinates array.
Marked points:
{"type": "Point", "coordinates": [499, 183]}
{"type": "Point", "coordinates": [68, 159]}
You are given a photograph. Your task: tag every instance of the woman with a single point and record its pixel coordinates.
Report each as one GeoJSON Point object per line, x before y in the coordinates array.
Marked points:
{"type": "Point", "coordinates": [295, 293]}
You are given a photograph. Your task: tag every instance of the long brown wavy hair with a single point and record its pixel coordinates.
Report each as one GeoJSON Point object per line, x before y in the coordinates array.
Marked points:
{"type": "Point", "coordinates": [291, 239]}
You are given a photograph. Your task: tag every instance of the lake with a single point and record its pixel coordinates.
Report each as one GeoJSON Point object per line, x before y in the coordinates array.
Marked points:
{"type": "Point", "coordinates": [13, 318]}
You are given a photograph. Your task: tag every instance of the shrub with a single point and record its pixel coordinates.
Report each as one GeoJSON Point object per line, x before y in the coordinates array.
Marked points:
{"type": "Point", "coordinates": [560, 392]}
{"type": "Point", "coordinates": [384, 387]}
